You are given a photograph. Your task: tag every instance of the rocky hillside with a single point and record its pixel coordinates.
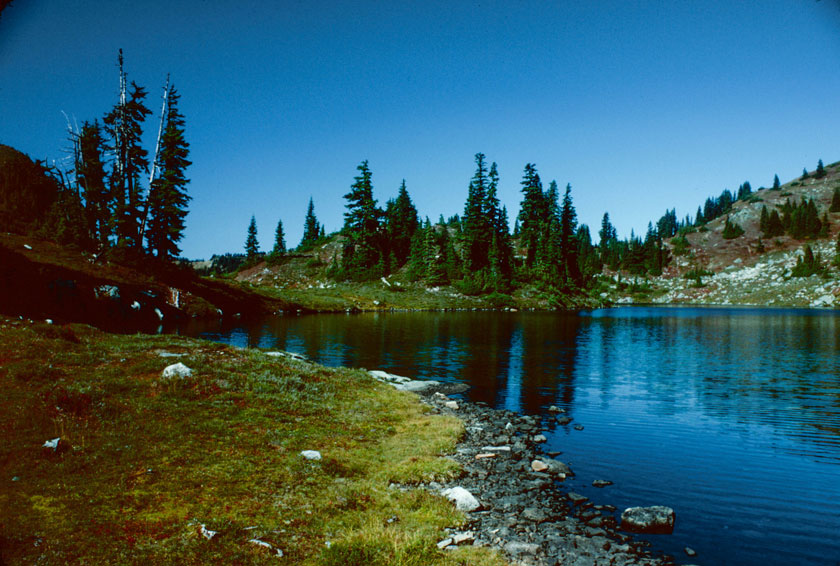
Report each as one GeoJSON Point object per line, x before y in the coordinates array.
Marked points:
{"type": "Point", "coordinates": [749, 269]}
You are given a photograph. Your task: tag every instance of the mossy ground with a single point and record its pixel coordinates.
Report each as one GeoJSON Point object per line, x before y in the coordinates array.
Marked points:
{"type": "Point", "coordinates": [149, 461]}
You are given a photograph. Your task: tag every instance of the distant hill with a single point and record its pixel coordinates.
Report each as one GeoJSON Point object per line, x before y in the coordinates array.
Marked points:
{"type": "Point", "coordinates": [26, 191]}
{"type": "Point", "coordinates": [750, 269]}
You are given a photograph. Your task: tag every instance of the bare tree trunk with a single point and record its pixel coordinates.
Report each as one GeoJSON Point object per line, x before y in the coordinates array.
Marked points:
{"type": "Point", "coordinates": [155, 160]}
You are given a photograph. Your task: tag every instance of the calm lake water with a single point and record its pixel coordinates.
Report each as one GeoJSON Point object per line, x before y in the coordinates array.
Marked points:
{"type": "Point", "coordinates": [730, 416]}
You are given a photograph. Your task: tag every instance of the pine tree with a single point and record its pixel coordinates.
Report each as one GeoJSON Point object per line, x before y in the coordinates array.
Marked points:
{"type": "Point", "coordinates": [764, 221]}
{"type": "Point", "coordinates": [279, 240]}
{"type": "Point", "coordinates": [310, 227]}
{"type": "Point", "coordinates": [820, 172]}
{"type": "Point", "coordinates": [400, 224]}
{"type": "Point", "coordinates": [477, 223]}
{"type": "Point", "coordinates": [776, 184]}
{"type": "Point", "coordinates": [124, 124]}
{"type": "Point", "coordinates": [731, 230]}
{"type": "Point", "coordinates": [168, 196]}
{"type": "Point", "coordinates": [362, 253]}
{"type": "Point", "coordinates": [252, 246]}
{"type": "Point", "coordinates": [533, 214]}
{"type": "Point", "coordinates": [568, 226]}
{"type": "Point", "coordinates": [835, 201]}
{"type": "Point", "coordinates": [90, 174]}
{"type": "Point", "coordinates": [804, 173]}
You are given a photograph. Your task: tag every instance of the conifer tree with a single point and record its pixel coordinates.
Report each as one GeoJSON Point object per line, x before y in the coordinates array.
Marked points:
{"type": "Point", "coordinates": [568, 226]}
{"type": "Point", "coordinates": [835, 201]}
{"type": "Point", "coordinates": [776, 184]}
{"type": "Point", "coordinates": [252, 246]}
{"type": "Point", "coordinates": [124, 125]}
{"type": "Point", "coordinates": [400, 223]}
{"type": "Point", "coordinates": [279, 240]}
{"type": "Point", "coordinates": [362, 258]}
{"type": "Point", "coordinates": [310, 227]}
{"type": "Point", "coordinates": [820, 172]}
{"type": "Point", "coordinates": [168, 198]}
{"type": "Point", "coordinates": [533, 214]}
{"type": "Point", "coordinates": [476, 222]}
{"type": "Point", "coordinates": [90, 174]}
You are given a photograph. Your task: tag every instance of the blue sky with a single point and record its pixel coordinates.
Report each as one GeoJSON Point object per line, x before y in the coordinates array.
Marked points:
{"type": "Point", "coordinates": [641, 106]}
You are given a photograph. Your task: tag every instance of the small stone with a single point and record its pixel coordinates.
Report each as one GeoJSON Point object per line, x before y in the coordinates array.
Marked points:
{"type": "Point", "coordinates": [496, 448]}
{"type": "Point", "coordinates": [451, 405]}
{"type": "Point", "coordinates": [579, 427]}
{"type": "Point", "coordinates": [690, 551]}
{"type": "Point", "coordinates": [539, 466]}
{"type": "Point", "coordinates": [463, 538]}
{"type": "Point", "coordinates": [444, 543]}
{"type": "Point", "coordinates": [577, 498]}
{"type": "Point", "coordinates": [601, 483]}
{"type": "Point", "coordinates": [564, 420]}
{"type": "Point", "coordinates": [539, 438]}
{"type": "Point", "coordinates": [556, 409]}
{"type": "Point", "coordinates": [53, 444]}
{"type": "Point", "coordinates": [509, 427]}
{"type": "Point", "coordinates": [311, 454]}
{"type": "Point", "coordinates": [485, 455]}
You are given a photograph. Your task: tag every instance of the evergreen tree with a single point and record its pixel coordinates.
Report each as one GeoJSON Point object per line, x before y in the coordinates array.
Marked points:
{"type": "Point", "coordinates": [279, 240]}
{"type": "Point", "coordinates": [776, 184]}
{"type": "Point", "coordinates": [807, 264]}
{"type": "Point", "coordinates": [820, 172]}
{"type": "Point", "coordinates": [400, 224]}
{"type": "Point", "coordinates": [775, 227]}
{"type": "Point", "coordinates": [804, 174]}
{"type": "Point", "coordinates": [252, 246]}
{"type": "Point", "coordinates": [533, 213]}
{"type": "Point", "coordinates": [731, 230]}
{"type": "Point", "coordinates": [362, 258]}
{"type": "Point", "coordinates": [477, 224]}
{"type": "Point", "coordinates": [311, 228]}
{"type": "Point", "coordinates": [90, 175]}
{"type": "Point", "coordinates": [568, 226]}
{"type": "Point", "coordinates": [168, 198]}
{"type": "Point", "coordinates": [764, 221]}
{"type": "Point", "coordinates": [124, 125]}
{"type": "Point", "coordinates": [835, 200]}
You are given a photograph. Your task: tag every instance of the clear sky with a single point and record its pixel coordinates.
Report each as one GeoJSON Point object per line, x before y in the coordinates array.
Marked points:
{"type": "Point", "coordinates": [642, 106]}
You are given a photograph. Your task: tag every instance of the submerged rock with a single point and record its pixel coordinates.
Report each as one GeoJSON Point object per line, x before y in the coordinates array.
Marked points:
{"type": "Point", "coordinates": [653, 520]}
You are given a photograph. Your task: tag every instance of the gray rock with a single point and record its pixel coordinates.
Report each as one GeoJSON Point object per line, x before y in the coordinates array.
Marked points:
{"type": "Point", "coordinates": [577, 498]}
{"type": "Point", "coordinates": [601, 483]}
{"type": "Point", "coordinates": [518, 548]}
{"type": "Point", "coordinates": [311, 454]}
{"type": "Point", "coordinates": [564, 420]}
{"type": "Point", "coordinates": [657, 519]}
{"type": "Point", "coordinates": [690, 551]}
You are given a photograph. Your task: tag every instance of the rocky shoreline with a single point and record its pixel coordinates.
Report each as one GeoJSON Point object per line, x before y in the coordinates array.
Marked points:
{"type": "Point", "coordinates": [514, 497]}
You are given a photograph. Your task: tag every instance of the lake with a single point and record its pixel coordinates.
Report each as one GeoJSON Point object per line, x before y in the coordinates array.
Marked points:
{"type": "Point", "coordinates": [729, 415]}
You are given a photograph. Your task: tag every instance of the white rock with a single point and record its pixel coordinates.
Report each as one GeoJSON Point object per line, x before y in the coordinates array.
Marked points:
{"type": "Point", "coordinates": [461, 538]}
{"type": "Point", "coordinates": [27, 246]}
{"type": "Point", "coordinates": [49, 321]}
{"type": "Point", "coordinates": [177, 370]}
{"type": "Point", "coordinates": [159, 314]}
{"type": "Point", "coordinates": [52, 443]}
{"type": "Point", "coordinates": [463, 499]}
{"type": "Point", "coordinates": [311, 454]}
{"type": "Point", "coordinates": [386, 282]}
{"type": "Point", "coordinates": [451, 405]}
{"type": "Point", "coordinates": [539, 438]}
{"type": "Point", "coordinates": [135, 305]}
{"type": "Point", "coordinates": [444, 543]}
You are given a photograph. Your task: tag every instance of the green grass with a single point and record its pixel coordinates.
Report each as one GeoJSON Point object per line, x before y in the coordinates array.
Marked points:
{"type": "Point", "coordinates": [151, 460]}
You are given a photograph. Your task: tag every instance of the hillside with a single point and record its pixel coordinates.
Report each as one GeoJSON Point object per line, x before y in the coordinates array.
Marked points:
{"type": "Point", "coordinates": [738, 271]}
{"type": "Point", "coordinates": [40, 279]}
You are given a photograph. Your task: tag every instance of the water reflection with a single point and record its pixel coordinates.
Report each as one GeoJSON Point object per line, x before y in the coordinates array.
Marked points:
{"type": "Point", "coordinates": [704, 409]}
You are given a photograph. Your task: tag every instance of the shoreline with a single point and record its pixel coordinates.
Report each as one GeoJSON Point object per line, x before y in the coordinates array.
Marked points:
{"type": "Point", "coordinates": [527, 515]}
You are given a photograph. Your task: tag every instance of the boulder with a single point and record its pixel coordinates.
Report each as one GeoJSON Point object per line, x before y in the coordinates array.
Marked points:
{"type": "Point", "coordinates": [177, 370]}
{"type": "Point", "coordinates": [657, 519]}
{"type": "Point", "coordinates": [554, 467]}
{"type": "Point", "coordinates": [463, 499]}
